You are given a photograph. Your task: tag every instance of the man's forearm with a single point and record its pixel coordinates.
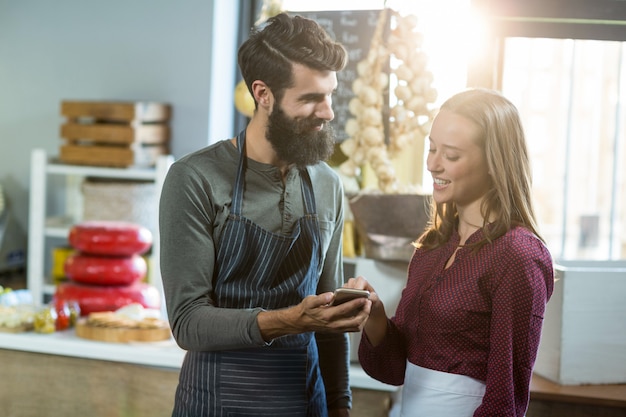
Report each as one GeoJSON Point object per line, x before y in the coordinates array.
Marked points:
{"type": "Point", "coordinates": [277, 323]}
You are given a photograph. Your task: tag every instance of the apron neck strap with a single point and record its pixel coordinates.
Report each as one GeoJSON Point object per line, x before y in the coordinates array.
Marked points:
{"type": "Point", "coordinates": [241, 169]}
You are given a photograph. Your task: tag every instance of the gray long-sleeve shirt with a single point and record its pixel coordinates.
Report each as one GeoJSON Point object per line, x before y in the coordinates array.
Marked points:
{"type": "Point", "coordinates": [194, 205]}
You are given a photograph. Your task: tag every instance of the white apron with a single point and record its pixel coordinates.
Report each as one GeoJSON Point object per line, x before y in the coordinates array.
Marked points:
{"type": "Point", "coordinates": [429, 393]}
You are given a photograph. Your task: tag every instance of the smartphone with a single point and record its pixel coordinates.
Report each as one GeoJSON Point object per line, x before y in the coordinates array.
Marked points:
{"type": "Point", "coordinates": [346, 294]}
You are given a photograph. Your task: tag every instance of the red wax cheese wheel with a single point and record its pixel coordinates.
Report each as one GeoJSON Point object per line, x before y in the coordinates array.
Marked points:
{"type": "Point", "coordinates": [94, 298]}
{"type": "Point", "coordinates": [105, 270]}
{"type": "Point", "coordinates": [110, 238]}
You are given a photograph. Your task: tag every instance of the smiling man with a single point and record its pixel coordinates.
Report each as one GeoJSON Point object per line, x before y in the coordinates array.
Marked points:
{"type": "Point", "coordinates": [251, 244]}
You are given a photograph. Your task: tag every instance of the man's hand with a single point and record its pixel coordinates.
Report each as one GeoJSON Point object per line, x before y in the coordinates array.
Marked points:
{"type": "Point", "coordinates": [315, 313]}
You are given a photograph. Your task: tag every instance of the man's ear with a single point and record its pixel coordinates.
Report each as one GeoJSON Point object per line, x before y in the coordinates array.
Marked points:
{"type": "Point", "coordinates": [262, 94]}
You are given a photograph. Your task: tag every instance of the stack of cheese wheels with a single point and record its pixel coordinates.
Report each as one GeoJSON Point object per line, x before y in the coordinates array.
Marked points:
{"type": "Point", "coordinates": [107, 270]}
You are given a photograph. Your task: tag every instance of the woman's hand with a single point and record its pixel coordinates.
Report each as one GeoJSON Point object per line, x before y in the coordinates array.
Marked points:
{"type": "Point", "coordinates": [376, 325]}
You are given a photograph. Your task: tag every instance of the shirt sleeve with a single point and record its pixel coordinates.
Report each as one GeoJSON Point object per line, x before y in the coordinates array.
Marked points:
{"type": "Point", "coordinates": [334, 349]}
{"type": "Point", "coordinates": [520, 292]}
{"type": "Point", "coordinates": [186, 236]}
{"type": "Point", "coordinates": [385, 362]}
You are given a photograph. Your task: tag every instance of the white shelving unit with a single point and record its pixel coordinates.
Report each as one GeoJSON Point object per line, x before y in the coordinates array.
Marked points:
{"type": "Point", "coordinates": [45, 225]}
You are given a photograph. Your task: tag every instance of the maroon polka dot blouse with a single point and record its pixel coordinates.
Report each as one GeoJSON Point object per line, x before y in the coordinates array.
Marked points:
{"type": "Point", "coordinates": [481, 317]}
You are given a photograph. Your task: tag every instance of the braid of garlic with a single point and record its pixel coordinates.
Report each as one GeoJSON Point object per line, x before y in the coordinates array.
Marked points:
{"type": "Point", "coordinates": [366, 128]}
{"type": "Point", "coordinates": [410, 117]}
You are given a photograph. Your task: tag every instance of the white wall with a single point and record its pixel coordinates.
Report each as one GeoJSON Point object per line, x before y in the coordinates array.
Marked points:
{"type": "Point", "coordinates": [159, 50]}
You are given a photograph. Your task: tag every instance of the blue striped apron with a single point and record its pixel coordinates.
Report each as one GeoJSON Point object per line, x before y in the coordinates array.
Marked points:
{"type": "Point", "coordinates": [258, 268]}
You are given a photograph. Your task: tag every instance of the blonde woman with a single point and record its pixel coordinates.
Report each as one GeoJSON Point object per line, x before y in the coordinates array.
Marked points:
{"type": "Point", "coordinates": [464, 339]}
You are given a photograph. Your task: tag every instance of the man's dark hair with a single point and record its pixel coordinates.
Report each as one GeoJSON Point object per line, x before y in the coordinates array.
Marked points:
{"type": "Point", "coordinates": [268, 54]}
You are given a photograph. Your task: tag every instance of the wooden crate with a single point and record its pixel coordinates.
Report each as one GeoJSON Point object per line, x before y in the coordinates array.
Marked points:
{"type": "Point", "coordinates": [115, 133]}
{"type": "Point", "coordinates": [120, 111]}
{"type": "Point", "coordinates": [111, 156]}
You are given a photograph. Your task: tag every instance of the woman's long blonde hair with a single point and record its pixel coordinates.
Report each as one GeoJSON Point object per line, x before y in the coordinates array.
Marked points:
{"type": "Point", "coordinates": [504, 145]}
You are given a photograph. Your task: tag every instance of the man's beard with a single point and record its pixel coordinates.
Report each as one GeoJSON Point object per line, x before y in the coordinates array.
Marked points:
{"type": "Point", "coordinates": [295, 142]}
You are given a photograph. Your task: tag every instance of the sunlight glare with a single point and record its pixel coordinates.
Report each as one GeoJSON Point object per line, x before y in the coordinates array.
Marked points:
{"type": "Point", "coordinates": [453, 36]}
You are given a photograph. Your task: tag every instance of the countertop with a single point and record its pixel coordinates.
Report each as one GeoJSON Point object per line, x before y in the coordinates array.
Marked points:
{"type": "Point", "coordinates": [164, 354]}
{"type": "Point", "coordinates": [168, 355]}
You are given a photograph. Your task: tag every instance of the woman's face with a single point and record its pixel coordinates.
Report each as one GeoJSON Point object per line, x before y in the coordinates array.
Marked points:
{"type": "Point", "coordinates": [456, 161]}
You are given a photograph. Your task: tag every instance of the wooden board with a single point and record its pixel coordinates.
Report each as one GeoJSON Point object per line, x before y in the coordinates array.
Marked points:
{"type": "Point", "coordinates": [121, 335]}
{"type": "Point", "coordinates": [111, 156]}
{"type": "Point", "coordinates": [116, 110]}
{"type": "Point", "coordinates": [116, 133]}
{"type": "Point", "coordinates": [19, 329]}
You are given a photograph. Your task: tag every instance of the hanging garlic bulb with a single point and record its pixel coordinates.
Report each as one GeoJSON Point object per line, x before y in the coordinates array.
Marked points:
{"type": "Point", "coordinates": [409, 117]}
{"type": "Point", "coordinates": [270, 8]}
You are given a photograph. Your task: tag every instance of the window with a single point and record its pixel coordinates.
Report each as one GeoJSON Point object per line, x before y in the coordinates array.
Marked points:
{"type": "Point", "coordinates": [571, 96]}
{"type": "Point", "coordinates": [563, 63]}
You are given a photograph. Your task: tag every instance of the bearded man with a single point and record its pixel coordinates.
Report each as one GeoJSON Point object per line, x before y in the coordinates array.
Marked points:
{"type": "Point", "coordinates": [251, 231]}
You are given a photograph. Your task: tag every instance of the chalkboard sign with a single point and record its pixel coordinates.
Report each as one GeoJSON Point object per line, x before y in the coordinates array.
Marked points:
{"type": "Point", "coordinates": [354, 29]}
